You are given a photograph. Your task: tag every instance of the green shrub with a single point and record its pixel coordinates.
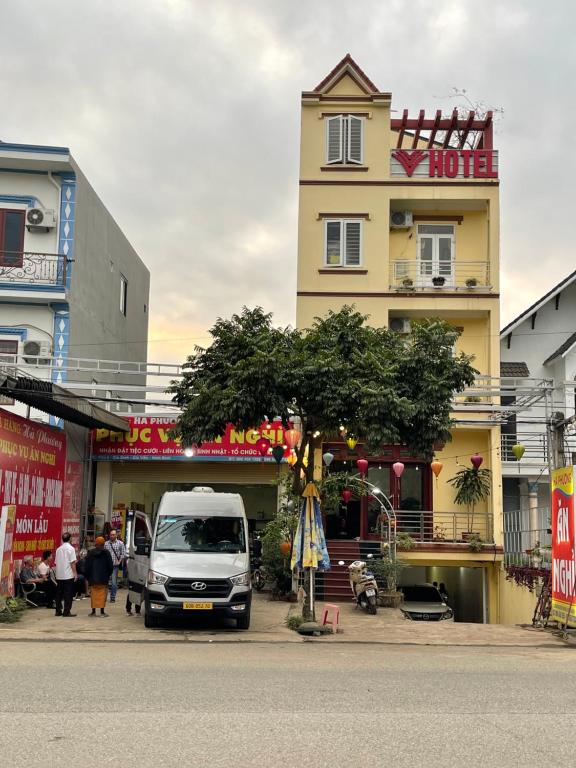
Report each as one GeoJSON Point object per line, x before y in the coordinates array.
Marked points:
{"type": "Point", "coordinates": [11, 609]}
{"type": "Point", "coordinates": [294, 621]}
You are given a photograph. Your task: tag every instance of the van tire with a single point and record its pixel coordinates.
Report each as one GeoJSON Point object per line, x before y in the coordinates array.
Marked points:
{"type": "Point", "coordinates": [243, 622]}
{"type": "Point", "coordinates": [150, 622]}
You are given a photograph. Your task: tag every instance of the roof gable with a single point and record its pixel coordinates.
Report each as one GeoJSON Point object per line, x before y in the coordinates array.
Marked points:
{"type": "Point", "coordinates": [538, 304]}
{"type": "Point", "coordinates": [346, 67]}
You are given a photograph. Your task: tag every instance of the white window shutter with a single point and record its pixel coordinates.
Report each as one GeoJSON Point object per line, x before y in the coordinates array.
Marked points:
{"type": "Point", "coordinates": [355, 130]}
{"type": "Point", "coordinates": [353, 236]}
{"type": "Point", "coordinates": [333, 250]}
{"type": "Point", "coordinates": [334, 139]}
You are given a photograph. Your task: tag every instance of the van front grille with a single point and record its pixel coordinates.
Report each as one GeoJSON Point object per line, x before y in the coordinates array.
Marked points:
{"type": "Point", "coordinates": [184, 589]}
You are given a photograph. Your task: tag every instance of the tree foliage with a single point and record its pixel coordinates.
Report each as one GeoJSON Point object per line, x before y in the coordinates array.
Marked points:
{"type": "Point", "coordinates": [386, 388]}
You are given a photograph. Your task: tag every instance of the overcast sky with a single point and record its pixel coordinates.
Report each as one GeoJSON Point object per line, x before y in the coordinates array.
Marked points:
{"type": "Point", "coordinates": [184, 115]}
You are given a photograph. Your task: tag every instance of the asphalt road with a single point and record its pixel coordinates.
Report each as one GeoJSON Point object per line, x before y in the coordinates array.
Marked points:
{"type": "Point", "coordinates": [233, 705]}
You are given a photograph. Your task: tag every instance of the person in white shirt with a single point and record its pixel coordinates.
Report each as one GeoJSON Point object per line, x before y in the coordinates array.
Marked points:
{"type": "Point", "coordinates": [65, 576]}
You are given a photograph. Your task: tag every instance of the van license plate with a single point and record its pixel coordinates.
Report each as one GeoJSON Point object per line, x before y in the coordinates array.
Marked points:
{"type": "Point", "coordinates": [197, 606]}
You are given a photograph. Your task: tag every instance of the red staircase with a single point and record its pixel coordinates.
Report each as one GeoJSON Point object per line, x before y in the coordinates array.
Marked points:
{"type": "Point", "coordinates": [336, 582]}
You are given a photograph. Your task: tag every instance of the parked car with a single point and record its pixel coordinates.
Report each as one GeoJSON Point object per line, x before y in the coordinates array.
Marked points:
{"type": "Point", "coordinates": [423, 602]}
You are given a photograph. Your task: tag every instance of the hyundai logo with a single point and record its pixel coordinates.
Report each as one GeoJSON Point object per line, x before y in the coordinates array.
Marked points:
{"type": "Point", "coordinates": [198, 585]}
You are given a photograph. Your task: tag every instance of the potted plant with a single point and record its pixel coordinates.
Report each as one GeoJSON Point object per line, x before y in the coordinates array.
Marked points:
{"type": "Point", "coordinates": [475, 543]}
{"type": "Point", "coordinates": [438, 281]}
{"type": "Point", "coordinates": [386, 572]}
{"type": "Point", "coordinates": [407, 282]}
{"type": "Point", "coordinates": [405, 542]}
{"type": "Point", "coordinates": [471, 282]}
{"type": "Point", "coordinates": [472, 485]}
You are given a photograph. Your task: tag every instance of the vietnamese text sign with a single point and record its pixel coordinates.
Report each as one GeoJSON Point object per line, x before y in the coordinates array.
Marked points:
{"type": "Point", "coordinates": [563, 556]}
{"type": "Point", "coordinates": [149, 438]}
{"type": "Point", "coordinates": [32, 469]}
{"type": "Point", "coordinates": [7, 521]}
{"type": "Point", "coordinates": [72, 502]}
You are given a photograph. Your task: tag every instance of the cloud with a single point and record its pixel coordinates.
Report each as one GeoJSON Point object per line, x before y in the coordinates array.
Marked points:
{"type": "Point", "coordinates": [185, 115]}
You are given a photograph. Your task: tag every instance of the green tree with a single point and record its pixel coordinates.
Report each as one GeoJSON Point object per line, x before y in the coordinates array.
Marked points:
{"type": "Point", "coordinates": [386, 388]}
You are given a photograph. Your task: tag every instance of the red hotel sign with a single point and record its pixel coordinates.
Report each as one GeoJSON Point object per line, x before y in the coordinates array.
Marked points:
{"type": "Point", "coordinates": [149, 438]}
{"type": "Point", "coordinates": [445, 163]}
{"type": "Point", "coordinates": [32, 473]}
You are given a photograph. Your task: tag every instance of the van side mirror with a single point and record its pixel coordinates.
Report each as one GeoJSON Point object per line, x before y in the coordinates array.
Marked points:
{"type": "Point", "coordinates": [142, 545]}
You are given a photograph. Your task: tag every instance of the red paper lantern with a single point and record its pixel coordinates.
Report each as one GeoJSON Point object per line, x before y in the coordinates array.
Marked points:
{"type": "Point", "coordinates": [262, 446]}
{"type": "Point", "coordinates": [346, 495]}
{"type": "Point", "coordinates": [362, 465]}
{"type": "Point", "coordinates": [476, 460]}
{"type": "Point", "coordinates": [398, 468]}
{"type": "Point", "coordinates": [285, 548]}
{"type": "Point", "coordinates": [292, 438]}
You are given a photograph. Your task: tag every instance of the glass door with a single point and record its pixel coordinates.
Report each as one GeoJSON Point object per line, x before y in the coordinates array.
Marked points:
{"type": "Point", "coordinates": [435, 254]}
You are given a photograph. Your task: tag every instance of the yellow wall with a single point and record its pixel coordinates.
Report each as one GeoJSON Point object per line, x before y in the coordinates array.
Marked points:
{"type": "Point", "coordinates": [517, 604]}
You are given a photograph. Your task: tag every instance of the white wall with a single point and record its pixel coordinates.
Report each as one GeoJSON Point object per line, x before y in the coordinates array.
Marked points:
{"type": "Point", "coordinates": [41, 187]}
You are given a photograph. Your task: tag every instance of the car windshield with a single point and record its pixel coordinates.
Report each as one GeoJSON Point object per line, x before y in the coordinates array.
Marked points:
{"type": "Point", "coordinates": [200, 534]}
{"type": "Point", "coordinates": [421, 594]}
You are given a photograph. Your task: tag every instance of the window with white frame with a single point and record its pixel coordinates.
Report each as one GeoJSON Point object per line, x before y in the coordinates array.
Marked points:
{"type": "Point", "coordinates": [344, 140]}
{"type": "Point", "coordinates": [342, 243]}
{"type": "Point", "coordinates": [123, 294]}
{"type": "Point", "coordinates": [436, 253]}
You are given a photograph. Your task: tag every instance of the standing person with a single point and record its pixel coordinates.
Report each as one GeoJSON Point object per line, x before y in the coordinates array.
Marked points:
{"type": "Point", "coordinates": [117, 550]}
{"type": "Point", "coordinates": [65, 576]}
{"type": "Point", "coordinates": [443, 592]}
{"type": "Point", "coordinates": [98, 568]}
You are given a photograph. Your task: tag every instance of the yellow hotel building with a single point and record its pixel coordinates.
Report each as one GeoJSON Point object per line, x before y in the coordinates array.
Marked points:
{"type": "Point", "coordinates": [399, 216]}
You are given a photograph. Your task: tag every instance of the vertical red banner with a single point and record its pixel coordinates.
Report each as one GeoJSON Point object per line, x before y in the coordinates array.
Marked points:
{"type": "Point", "coordinates": [72, 504]}
{"type": "Point", "coordinates": [32, 473]}
{"type": "Point", "coordinates": [563, 541]}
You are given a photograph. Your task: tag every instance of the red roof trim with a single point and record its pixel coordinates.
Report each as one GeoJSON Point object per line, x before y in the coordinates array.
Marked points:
{"type": "Point", "coordinates": [348, 63]}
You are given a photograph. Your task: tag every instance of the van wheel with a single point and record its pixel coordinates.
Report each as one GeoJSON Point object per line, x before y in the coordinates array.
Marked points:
{"type": "Point", "coordinates": [151, 622]}
{"type": "Point", "coordinates": [243, 622]}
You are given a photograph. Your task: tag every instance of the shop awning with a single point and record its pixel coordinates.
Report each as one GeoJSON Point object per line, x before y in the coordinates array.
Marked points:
{"type": "Point", "coordinates": [57, 401]}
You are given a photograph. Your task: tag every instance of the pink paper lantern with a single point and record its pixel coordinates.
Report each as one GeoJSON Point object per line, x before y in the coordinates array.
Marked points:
{"type": "Point", "coordinates": [362, 465]}
{"type": "Point", "coordinates": [476, 460]}
{"type": "Point", "coordinates": [398, 468]}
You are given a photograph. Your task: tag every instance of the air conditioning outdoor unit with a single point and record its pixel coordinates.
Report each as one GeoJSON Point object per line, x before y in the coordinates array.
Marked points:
{"type": "Point", "coordinates": [401, 220]}
{"type": "Point", "coordinates": [38, 219]}
{"type": "Point", "coordinates": [400, 324]}
{"type": "Point", "coordinates": [37, 352]}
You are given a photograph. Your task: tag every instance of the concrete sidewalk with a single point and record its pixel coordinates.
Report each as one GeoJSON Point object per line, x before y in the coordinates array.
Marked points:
{"type": "Point", "coordinates": [267, 626]}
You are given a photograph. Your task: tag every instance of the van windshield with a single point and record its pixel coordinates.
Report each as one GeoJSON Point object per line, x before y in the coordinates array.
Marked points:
{"type": "Point", "coordinates": [200, 534]}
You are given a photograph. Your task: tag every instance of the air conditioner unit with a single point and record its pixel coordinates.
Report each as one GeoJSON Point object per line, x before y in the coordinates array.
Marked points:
{"type": "Point", "coordinates": [36, 352]}
{"type": "Point", "coordinates": [38, 219]}
{"type": "Point", "coordinates": [401, 220]}
{"type": "Point", "coordinates": [400, 324]}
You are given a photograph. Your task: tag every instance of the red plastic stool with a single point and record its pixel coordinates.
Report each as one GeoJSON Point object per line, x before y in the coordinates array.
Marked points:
{"type": "Point", "coordinates": [332, 611]}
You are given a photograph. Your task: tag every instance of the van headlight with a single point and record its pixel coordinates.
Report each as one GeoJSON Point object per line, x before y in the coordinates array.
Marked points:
{"type": "Point", "coordinates": [449, 614]}
{"type": "Point", "coordinates": [243, 580]}
{"type": "Point", "coordinates": [156, 578]}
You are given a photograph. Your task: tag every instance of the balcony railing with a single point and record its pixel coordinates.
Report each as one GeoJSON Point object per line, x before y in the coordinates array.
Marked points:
{"type": "Point", "coordinates": [33, 268]}
{"type": "Point", "coordinates": [429, 527]}
{"type": "Point", "coordinates": [414, 275]}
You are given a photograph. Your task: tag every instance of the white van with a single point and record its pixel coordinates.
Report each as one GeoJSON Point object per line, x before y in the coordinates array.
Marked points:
{"type": "Point", "coordinates": [197, 558]}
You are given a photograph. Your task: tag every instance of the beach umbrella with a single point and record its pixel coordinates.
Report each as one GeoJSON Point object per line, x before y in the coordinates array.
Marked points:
{"type": "Point", "coordinates": [310, 551]}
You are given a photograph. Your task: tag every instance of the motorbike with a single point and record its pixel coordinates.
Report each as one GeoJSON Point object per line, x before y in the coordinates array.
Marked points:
{"type": "Point", "coordinates": [363, 585]}
{"type": "Point", "coordinates": [257, 574]}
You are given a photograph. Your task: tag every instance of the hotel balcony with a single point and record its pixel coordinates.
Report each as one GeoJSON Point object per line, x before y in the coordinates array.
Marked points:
{"type": "Point", "coordinates": [437, 529]}
{"type": "Point", "coordinates": [408, 275]}
{"type": "Point", "coordinates": [20, 270]}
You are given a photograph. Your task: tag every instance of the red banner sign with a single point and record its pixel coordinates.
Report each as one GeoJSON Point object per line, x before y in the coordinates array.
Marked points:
{"type": "Point", "coordinates": [563, 541]}
{"type": "Point", "coordinates": [32, 470]}
{"type": "Point", "coordinates": [72, 500]}
{"type": "Point", "coordinates": [149, 438]}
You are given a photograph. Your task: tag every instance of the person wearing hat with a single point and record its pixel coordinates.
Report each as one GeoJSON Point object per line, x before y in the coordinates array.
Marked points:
{"type": "Point", "coordinates": [97, 571]}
